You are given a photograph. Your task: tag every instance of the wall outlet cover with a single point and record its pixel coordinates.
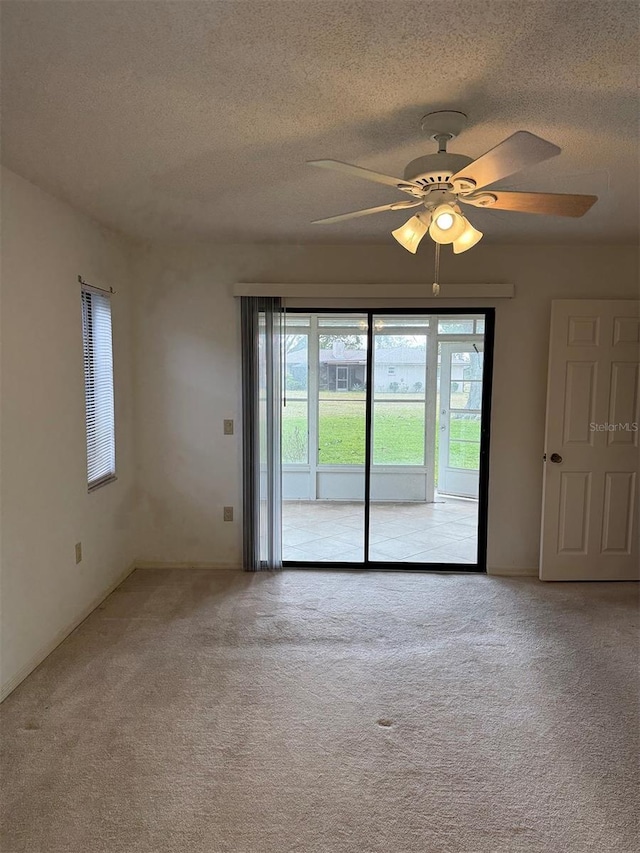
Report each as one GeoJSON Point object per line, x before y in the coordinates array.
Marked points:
{"type": "Point", "coordinates": [78, 552]}
{"type": "Point", "coordinates": [227, 513]}
{"type": "Point", "coordinates": [228, 426]}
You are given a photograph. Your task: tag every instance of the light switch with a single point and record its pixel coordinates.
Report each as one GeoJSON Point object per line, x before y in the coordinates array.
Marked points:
{"type": "Point", "coordinates": [228, 426]}
{"type": "Point", "coordinates": [78, 552]}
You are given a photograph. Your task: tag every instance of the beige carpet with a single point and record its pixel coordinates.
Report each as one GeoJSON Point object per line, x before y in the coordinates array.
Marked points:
{"type": "Point", "coordinates": [327, 712]}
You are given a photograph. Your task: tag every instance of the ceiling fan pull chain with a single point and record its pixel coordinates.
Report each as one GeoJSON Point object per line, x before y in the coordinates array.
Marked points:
{"type": "Point", "coordinates": [436, 286]}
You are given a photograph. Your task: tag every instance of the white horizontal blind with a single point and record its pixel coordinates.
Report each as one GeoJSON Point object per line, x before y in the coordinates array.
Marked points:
{"type": "Point", "coordinates": [98, 384]}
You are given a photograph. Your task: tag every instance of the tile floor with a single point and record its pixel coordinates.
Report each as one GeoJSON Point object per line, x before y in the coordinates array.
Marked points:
{"type": "Point", "coordinates": [330, 531]}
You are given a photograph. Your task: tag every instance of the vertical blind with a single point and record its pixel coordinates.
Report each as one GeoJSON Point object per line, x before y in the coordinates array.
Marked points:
{"type": "Point", "coordinates": [261, 401]}
{"type": "Point", "coordinates": [98, 384]}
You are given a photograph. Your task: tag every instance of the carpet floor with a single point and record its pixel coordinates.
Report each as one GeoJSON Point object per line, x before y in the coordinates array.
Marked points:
{"type": "Point", "coordinates": [324, 712]}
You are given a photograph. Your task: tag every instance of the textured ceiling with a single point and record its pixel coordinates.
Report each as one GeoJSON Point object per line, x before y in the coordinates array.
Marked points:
{"type": "Point", "coordinates": [175, 120]}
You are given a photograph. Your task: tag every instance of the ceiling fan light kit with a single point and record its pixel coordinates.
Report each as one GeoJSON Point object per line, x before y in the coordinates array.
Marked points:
{"type": "Point", "coordinates": [440, 182]}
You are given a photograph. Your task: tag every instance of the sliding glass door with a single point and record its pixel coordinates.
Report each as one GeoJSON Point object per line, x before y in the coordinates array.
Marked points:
{"type": "Point", "coordinates": [402, 424]}
{"type": "Point", "coordinates": [385, 439]}
{"type": "Point", "coordinates": [324, 433]}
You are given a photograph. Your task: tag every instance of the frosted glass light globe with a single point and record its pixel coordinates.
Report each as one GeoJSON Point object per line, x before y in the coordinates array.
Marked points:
{"type": "Point", "coordinates": [447, 224]}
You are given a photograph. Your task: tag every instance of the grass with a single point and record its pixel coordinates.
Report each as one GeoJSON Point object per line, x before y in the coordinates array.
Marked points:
{"type": "Point", "coordinates": [398, 432]}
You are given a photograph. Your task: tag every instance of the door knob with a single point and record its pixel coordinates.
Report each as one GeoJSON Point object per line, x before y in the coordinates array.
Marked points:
{"type": "Point", "coordinates": [555, 457]}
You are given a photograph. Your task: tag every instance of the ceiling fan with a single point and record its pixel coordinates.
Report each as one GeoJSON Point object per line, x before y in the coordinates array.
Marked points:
{"type": "Point", "coordinates": [440, 182]}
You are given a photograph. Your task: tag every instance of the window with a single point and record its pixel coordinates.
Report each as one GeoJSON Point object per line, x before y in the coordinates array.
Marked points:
{"type": "Point", "coordinates": [295, 414]}
{"type": "Point", "coordinates": [97, 349]}
{"type": "Point", "coordinates": [455, 326]}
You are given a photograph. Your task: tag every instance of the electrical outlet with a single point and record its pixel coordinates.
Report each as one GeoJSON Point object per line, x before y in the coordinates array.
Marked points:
{"type": "Point", "coordinates": [78, 552]}
{"type": "Point", "coordinates": [228, 426]}
{"type": "Point", "coordinates": [227, 513]}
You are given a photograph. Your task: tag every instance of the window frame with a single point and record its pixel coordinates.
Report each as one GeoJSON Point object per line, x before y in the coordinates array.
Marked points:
{"type": "Point", "coordinates": [90, 344]}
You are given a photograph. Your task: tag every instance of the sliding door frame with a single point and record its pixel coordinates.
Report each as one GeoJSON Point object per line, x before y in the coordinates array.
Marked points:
{"type": "Point", "coordinates": [485, 437]}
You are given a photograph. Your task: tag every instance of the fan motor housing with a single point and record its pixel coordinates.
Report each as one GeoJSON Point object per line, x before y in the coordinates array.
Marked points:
{"type": "Point", "coordinates": [435, 168]}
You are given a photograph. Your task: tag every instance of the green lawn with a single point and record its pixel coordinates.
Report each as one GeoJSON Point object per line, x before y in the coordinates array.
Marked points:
{"type": "Point", "coordinates": [398, 432]}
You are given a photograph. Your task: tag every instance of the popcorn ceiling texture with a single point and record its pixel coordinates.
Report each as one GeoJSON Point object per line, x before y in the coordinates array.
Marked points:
{"type": "Point", "coordinates": [180, 120]}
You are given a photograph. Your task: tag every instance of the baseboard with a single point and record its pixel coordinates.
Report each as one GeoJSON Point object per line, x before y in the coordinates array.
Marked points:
{"type": "Point", "coordinates": [159, 564]}
{"type": "Point", "coordinates": [61, 635]}
{"type": "Point", "coordinates": [513, 573]}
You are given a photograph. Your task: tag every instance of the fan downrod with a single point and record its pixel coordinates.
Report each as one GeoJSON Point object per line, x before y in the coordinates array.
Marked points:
{"type": "Point", "coordinates": [443, 125]}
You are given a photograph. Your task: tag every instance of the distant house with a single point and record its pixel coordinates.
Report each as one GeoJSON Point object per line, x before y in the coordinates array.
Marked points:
{"type": "Point", "coordinates": [396, 369]}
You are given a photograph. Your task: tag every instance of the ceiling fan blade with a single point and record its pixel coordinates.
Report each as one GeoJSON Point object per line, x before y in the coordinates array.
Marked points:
{"type": "Point", "coordinates": [553, 204]}
{"type": "Point", "coordinates": [367, 174]}
{"type": "Point", "coordinates": [518, 151]}
{"type": "Point", "coordinates": [398, 205]}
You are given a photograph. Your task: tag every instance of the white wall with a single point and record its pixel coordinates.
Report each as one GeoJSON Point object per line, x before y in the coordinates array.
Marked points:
{"type": "Point", "coordinates": [188, 376]}
{"type": "Point", "coordinates": [45, 505]}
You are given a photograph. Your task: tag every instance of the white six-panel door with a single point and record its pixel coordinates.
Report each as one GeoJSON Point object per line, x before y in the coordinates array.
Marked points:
{"type": "Point", "coordinates": [591, 468]}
